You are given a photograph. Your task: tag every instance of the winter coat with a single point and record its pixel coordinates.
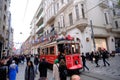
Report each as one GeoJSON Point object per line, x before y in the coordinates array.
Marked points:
{"type": "Point", "coordinates": [13, 70]}
{"type": "Point", "coordinates": [36, 61]}
{"type": "Point", "coordinates": [62, 70]}
{"type": "Point", "coordinates": [56, 72]}
{"type": "Point", "coordinates": [29, 73]}
{"type": "Point", "coordinates": [3, 72]}
{"type": "Point", "coordinates": [43, 65]}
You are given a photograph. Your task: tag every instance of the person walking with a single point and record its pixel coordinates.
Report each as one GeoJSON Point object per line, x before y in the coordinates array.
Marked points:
{"type": "Point", "coordinates": [91, 56]}
{"type": "Point", "coordinates": [61, 56]}
{"type": "Point", "coordinates": [43, 65]}
{"type": "Point", "coordinates": [96, 56]}
{"type": "Point", "coordinates": [13, 70]}
{"type": "Point", "coordinates": [104, 57]}
{"type": "Point", "coordinates": [29, 71]}
{"type": "Point", "coordinates": [36, 62]}
{"type": "Point", "coordinates": [62, 70]}
{"type": "Point", "coordinates": [28, 58]}
{"type": "Point", "coordinates": [3, 70]}
{"type": "Point", "coordinates": [56, 70]}
{"type": "Point", "coordinates": [84, 62]}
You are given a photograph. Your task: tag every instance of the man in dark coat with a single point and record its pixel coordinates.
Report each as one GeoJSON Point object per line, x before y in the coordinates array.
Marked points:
{"type": "Point", "coordinates": [96, 56]}
{"type": "Point", "coordinates": [43, 65]}
{"type": "Point", "coordinates": [104, 56]}
{"type": "Point", "coordinates": [3, 70]}
{"type": "Point", "coordinates": [36, 62]}
{"type": "Point", "coordinates": [84, 62]}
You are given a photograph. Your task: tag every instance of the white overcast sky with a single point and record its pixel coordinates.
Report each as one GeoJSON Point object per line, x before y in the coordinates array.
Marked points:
{"type": "Point", "coordinates": [21, 19]}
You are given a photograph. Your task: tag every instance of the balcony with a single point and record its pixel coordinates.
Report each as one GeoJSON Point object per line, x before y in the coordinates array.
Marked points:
{"type": "Point", "coordinates": [40, 18]}
{"type": "Point", "coordinates": [103, 4]}
{"type": "Point", "coordinates": [116, 30]}
{"type": "Point", "coordinates": [77, 1]}
{"type": "Point", "coordinates": [108, 27]}
{"type": "Point", "coordinates": [117, 14]}
{"type": "Point", "coordinates": [81, 24]}
{"type": "Point", "coordinates": [64, 6]}
{"type": "Point", "coordinates": [40, 29]}
{"type": "Point", "coordinates": [51, 18]}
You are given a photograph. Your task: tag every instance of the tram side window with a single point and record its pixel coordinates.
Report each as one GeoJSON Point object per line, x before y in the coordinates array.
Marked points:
{"type": "Point", "coordinates": [51, 50]}
{"type": "Point", "coordinates": [43, 51]}
{"type": "Point", "coordinates": [46, 51]}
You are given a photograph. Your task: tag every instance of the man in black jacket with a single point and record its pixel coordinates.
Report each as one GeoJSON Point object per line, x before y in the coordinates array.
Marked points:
{"type": "Point", "coordinates": [3, 70]}
{"type": "Point", "coordinates": [84, 62]}
{"type": "Point", "coordinates": [36, 62]}
{"type": "Point", "coordinates": [104, 56]}
{"type": "Point", "coordinates": [43, 65]}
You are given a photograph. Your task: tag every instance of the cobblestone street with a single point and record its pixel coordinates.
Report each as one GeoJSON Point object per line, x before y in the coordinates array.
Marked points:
{"type": "Point", "coordinates": [96, 73]}
{"type": "Point", "coordinates": [113, 70]}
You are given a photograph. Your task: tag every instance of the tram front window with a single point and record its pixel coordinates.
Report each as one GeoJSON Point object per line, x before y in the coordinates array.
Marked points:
{"type": "Point", "coordinates": [61, 48]}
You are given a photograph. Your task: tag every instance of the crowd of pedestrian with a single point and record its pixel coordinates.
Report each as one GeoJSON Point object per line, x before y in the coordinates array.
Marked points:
{"type": "Point", "coordinates": [9, 65]}
{"type": "Point", "coordinates": [8, 68]}
{"type": "Point", "coordinates": [95, 56]}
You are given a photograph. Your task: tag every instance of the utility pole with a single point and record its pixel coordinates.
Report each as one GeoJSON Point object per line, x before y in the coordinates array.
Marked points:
{"type": "Point", "coordinates": [92, 35]}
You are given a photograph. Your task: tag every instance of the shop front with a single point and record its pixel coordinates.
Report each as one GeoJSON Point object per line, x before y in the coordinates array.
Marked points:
{"type": "Point", "coordinates": [101, 43]}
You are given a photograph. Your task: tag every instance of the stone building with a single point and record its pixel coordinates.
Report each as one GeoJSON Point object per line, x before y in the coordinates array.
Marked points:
{"type": "Point", "coordinates": [4, 26]}
{"type": "Point", "coordinates": [75, 18]}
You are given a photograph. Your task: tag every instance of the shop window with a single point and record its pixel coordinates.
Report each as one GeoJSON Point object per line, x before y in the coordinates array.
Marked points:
{"type": "Point", "coordinates": [100, 43]}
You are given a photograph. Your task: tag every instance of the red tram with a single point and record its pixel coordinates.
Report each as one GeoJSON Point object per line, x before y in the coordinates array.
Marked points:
{"type": "Point", "coordinates": [71, 49]}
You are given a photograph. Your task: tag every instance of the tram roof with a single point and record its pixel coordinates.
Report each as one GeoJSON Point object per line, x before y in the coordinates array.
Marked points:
{"type": "Point", "coordinates": [59, 42]}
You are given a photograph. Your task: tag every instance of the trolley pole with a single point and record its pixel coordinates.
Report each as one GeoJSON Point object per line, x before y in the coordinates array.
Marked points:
{"type": "Point", "coordinates": [92, 35]}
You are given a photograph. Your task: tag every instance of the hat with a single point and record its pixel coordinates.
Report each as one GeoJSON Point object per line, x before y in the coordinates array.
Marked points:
{"type": "Point", "coordinates": [56, 61]}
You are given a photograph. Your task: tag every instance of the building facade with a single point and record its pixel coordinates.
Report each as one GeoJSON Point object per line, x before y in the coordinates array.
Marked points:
{"type": "Point", "coordinates": [26, 47]}
{"type": "Point", "coordinates": [4, 26]}
{"type": "Point", "coordinates": [78, 18]}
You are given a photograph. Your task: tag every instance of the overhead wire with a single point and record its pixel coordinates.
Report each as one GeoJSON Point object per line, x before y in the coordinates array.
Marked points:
{"type": "Point", "coordinates": [26, 7]}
